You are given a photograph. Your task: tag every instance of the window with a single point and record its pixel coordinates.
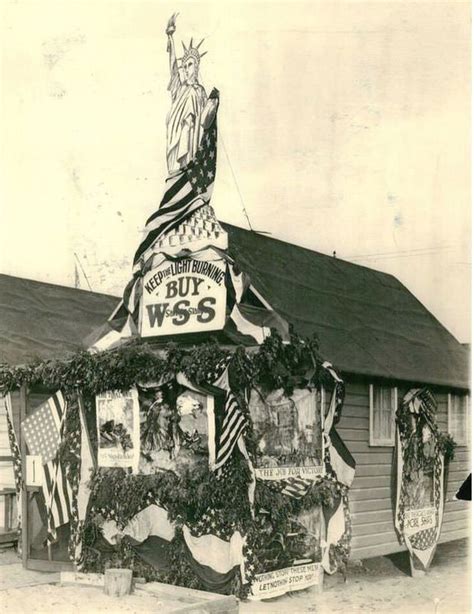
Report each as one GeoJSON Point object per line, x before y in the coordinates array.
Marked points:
{"type": "Point", "coordinates": [383, 404]}
{"type": "Point", "coordinates": [458, 417]}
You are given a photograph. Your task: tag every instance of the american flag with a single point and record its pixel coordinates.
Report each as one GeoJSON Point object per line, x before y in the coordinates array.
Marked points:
{"type": "Point", "coordinates": [186, 191]}
{"type": "Point", "coordinates": [233, 426]}
{"type": "Point", "coordinates": [43, 432]}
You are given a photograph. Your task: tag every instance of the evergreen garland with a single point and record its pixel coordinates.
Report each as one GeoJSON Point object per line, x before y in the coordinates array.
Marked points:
{"type": "Point", "coordinates": [272, 365]}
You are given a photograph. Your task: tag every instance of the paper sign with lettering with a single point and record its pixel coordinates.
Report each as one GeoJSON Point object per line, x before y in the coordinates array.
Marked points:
{"type": "Point", "coordinates": [283, 473]}
{"type": "Point", "coordinates": [281, 581]}
{"type": "Point", "coordinates": [419, 520]}
{"type": "Point", "coordinates": [183, 296]}
{"type": "Point", "coordinates": [118, 426]}
{"type": "Point", "coordinates": [34, 470]}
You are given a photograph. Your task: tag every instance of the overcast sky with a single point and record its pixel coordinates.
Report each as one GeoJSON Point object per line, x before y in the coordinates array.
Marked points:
{"type": "Point", "coordinates": [344, 126]}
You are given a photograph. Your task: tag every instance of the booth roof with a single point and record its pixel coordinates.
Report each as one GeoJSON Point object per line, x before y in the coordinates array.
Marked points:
{"type": "Point", "coordinates": [368, 322]}
{"type": "Point", "coordinates": [41, 320]}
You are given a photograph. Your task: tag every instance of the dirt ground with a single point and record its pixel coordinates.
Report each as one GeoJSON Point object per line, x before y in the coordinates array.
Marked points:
{"type": "Point", "coordinates": [375, 585]}
{"type": "Point", "coordinates": [383, 584]}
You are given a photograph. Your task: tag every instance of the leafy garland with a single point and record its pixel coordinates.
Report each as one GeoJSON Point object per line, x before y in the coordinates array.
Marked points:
{"type": "Point", "coordinates": [274, 364]}
{"type": "Point", "coordinates": [423, 440]}
{"type": "Point", "coordinates": [423, 444]}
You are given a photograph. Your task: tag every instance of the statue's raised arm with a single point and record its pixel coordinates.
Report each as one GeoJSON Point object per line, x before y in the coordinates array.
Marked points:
{"type": "Point", "coordinates": [170, 30]}
{"type": "Point", "coordinates": [188, 99]}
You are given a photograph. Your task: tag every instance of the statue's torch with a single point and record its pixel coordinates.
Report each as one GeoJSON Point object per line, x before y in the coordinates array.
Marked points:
{"type": "Point", "coordinates": [171, 29]}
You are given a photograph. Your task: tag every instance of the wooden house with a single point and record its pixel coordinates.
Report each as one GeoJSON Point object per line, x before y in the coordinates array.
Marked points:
{"type": "Point", "coordinates": [370, 326]}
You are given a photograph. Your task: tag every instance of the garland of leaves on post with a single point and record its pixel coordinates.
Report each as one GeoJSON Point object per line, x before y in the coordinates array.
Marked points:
{"type": "Point", "coordinates": [120, 495]}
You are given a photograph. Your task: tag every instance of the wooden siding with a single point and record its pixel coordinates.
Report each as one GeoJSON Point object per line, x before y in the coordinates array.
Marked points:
{"type": "Point", "coordinates": [372, 492]}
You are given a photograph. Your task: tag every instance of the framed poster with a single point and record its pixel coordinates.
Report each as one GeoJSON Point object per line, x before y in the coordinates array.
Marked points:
{"type": "Point", "coordinates": [118, 429]}
{"type": "Point", "coordinates": [174, 426]}
{"type": "Point", "coordinates": [289, 432]}
{"type": "Point", "coordinates": [183, 296]}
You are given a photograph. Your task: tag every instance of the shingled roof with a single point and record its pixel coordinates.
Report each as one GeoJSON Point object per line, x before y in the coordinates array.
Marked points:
{"type": "Point", "coordinates": [40, 320]}
{"type": "Point", "coordinates": [368, 322]}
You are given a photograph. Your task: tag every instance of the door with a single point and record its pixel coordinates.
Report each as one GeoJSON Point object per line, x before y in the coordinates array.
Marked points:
{"type": "Point", "coordinates": [36, 552]}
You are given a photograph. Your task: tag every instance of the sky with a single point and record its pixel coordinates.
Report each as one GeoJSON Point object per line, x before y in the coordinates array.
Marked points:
{"type": "Point", "coordinates": [344, 126]}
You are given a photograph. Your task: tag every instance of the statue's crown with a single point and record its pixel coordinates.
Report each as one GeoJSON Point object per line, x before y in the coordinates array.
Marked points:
{"type": "Point", "coordinates": [192, 52]}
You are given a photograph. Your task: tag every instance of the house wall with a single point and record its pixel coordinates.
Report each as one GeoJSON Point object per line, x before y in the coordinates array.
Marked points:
{"type": "Point", "coordinates": [373, 487]}
{"type": "Point", "coordinates": [372, 490]}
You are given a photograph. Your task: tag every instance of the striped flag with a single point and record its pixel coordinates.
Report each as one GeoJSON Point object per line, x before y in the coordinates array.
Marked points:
{"type": "Point", "coordinates": [43, 432]}
{"type": "Point", "coordinates": [340, 466]}
{"type": "Point", "coordinates": [233, 426]}
{"type": "Point", "coordinates": [186, 191]}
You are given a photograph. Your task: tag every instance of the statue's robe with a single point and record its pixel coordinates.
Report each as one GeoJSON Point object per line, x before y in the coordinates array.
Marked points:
{"type": "Point", "coordinates": [183, 123]}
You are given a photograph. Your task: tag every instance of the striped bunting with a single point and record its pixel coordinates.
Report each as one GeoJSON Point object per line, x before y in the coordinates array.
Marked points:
{"type": "Point", "coordinates": [296, 487]}
{"type": "Point", "coordinates": [233, 426]}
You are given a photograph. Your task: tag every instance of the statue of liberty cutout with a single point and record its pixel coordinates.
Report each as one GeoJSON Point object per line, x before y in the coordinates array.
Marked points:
{"type": "Point", "coordinates": [188, 101]}
{"type": "Point", "coordinates": [184, 229]}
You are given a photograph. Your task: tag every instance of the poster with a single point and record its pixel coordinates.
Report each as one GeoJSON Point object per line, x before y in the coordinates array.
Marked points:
{"type": "Point", "coordinates": [289, 435]}
{"type": "Point", "coordinates": [118, 427]}
{"type": "Point", "coordinates": [173, 426]}
{"type": "Point", "coordinates": [281, 581]}
{"type": "Point", "coordinates": [183, 296]}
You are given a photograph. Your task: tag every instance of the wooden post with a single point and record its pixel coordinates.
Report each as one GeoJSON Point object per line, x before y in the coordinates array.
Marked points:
{"type": "Point", "coordinates": [415, 573]}
{"type": "Point", "coordinates": [118, 582]}
{"type": "Point", "coordinates": [86, 428]}
{"type": "Point", "coordinates": [25, 550]}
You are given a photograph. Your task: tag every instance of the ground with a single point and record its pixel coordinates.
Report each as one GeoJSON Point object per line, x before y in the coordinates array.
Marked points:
{"type": "Point", "coordinates": [375, 585]}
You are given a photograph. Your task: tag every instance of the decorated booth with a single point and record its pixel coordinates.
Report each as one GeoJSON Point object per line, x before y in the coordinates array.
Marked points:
{"type": "Point", "coordinates": [195, 441]}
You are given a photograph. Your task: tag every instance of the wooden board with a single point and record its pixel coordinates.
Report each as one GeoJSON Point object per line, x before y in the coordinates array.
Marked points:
{"type": "Point", "coordinates": [178, 598]}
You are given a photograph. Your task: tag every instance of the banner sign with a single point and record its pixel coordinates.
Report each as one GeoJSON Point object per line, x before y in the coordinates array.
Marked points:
{"type": "Point", "coordinates": [419, 500]}
{"type": "Point", "coordinates": [289, 434]}
{"type": "Point", "coordinates": [281, 581]}
{"type": "Point", "coordinates": [118, 429]}
{"type": "Point", "coordinates": [184, 296]}
{"type": "Point", "coordinates": [419, 520]}
{"type": "Point", "coordinates": [283, 473]}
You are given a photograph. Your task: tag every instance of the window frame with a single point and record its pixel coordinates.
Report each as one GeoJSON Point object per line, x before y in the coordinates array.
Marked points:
{"type": "Point", "coordinates": [374, 441]}
{"type": "Point", "coordinates": [465, 397]}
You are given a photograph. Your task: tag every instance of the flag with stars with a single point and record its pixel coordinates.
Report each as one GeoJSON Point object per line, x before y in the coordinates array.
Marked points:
{"type": "Point", "coordinates": [42, 429]}
{"type": "Point", "coordinates": [186, 191]}
{"type": "Point", "coordinates": [43, 432]}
